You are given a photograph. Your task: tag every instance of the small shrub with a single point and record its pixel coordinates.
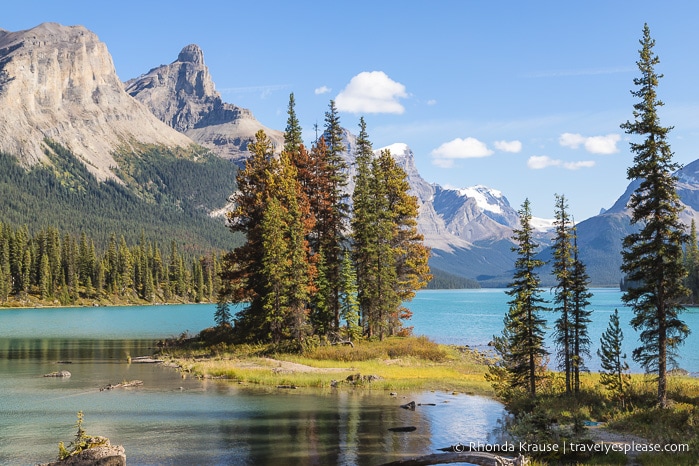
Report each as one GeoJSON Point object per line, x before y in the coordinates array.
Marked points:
{"type": "Point", "coordinates": [82, 441]}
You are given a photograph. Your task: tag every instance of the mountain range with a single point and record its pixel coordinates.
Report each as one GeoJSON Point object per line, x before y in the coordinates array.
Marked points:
{"type": "Point", "coordinates": [59, 89]}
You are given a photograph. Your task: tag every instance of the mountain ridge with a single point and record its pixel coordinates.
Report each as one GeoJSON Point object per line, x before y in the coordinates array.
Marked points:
{"type": "Point", "coordinates": [183, 95]}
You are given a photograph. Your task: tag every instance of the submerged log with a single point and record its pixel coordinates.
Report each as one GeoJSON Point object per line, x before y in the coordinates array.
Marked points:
{"type": "Point", "coordinates": [403, 429]}
{"type": "Point", "coordinates": [473, 457]}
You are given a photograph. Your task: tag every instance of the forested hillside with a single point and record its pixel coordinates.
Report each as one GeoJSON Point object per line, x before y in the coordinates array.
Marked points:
{"type": "Point", "coordinates": [164, 196]}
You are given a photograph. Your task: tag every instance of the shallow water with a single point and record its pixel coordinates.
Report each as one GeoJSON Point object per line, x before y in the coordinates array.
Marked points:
{"type": "Point", "coordinates": [176, 420]}
{"type": "Point", "coordinates": [181, 421]}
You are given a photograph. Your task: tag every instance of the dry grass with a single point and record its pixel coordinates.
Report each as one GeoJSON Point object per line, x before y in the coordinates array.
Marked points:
{"type": "Point", "coordinates": [411, 363]}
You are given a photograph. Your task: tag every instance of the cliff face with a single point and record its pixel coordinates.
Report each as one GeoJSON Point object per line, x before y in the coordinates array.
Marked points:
{"type": "Point", "coordinates": [182, 94]}
{"type": "Point", "coordinates": [59, 82]}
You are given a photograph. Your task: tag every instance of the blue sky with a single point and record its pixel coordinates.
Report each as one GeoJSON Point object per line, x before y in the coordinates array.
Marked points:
{"type": "Point", "coordinates": [525, 97]}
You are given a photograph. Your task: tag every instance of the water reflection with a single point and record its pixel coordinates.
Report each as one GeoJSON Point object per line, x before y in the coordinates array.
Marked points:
{"type": "Point", "coordinates": [176, 420]}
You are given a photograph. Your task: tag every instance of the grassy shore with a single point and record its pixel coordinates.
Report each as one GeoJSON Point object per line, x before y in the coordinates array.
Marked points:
{"type": "Point", "coordinates": [414, 363]}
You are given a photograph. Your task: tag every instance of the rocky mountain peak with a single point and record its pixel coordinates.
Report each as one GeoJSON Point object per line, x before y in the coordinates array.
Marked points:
{"type": "Point", "coordinates": [182, 95]}
{"type": "Point", "coordinates": [191, 54]}
{"type": "Point", "coordinates": [59, 82]}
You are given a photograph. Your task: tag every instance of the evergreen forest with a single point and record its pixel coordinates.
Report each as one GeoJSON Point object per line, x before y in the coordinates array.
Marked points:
{"type": "Point", "coordinates": [49, 268]}
{"type": "Point", "coordinates": [160, 193]}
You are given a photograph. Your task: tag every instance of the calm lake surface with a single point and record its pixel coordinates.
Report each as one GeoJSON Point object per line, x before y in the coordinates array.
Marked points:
{"type": "Point", "coordinates": [171, 420]}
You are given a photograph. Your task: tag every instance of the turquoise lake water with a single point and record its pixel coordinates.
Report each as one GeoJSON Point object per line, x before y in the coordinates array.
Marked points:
{"type": "Point", "coordinates": [171, 420]}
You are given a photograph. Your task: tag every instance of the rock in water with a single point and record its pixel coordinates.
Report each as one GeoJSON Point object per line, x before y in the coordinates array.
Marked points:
{"type": "Point", "coordinates": [104, 455]}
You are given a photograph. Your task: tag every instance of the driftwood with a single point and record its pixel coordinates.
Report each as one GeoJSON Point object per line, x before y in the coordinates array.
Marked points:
{"type": "Point", "coordinates": [473, 457]}
{"type": "Point", "coordinates": [146, 360]}
{"type": "Point", "coordinates": [58, 374]}
{"type": "Point", "coordinates": [132, 383]}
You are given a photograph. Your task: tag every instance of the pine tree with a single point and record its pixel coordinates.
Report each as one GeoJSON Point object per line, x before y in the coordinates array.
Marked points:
{"type": "Point", "coordinates": [613, 360]}
{"type": "Point", "coordinates": [293, 133]}
{"type": "Point", "coordinates": [581, 316]}
{"type": "Point", "coordinates": [364, 226]}
{"type": "Point", "coordinates": [274, 264]}
{"type": "Point", "coordinates": [333, 229]}
{"type": "Point", "coordinates": [410, 256]}
{"type": "Point", "coordinates": [691, 263]}
{"type": "Point", "coordinates": [272, 271]}
{"type": "Point", "coordinates": [563, 298]}
{"type": "Point", "coordinates": [349, 304]}
{"type": "Point", "coordinates": [222, 316]}
{"type": "Point", "coordinates": [390, 257]}
{"type": "Point", "coordinates": [652, 257]}
{"type": "Point", "coordinates": [521, 345]}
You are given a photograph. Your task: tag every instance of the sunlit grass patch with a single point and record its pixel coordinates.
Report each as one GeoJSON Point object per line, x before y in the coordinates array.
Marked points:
{"type": "Point", "coordinates": [408, 363]}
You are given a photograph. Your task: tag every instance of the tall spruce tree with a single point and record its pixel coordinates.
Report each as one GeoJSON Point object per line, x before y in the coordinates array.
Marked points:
{"type": "Point", "coordinates": [409, 254]}
{"type": "Point", "coordinates": [243, 282]}
{"type": "Point", "coordinates": [652, 257]}
{"type": "Point", "coordinates": [521, 344]}
{"type": "Point", "coordinates": [691, 262]}
{"type": "Point", "coordinates": [271, 271]}
{"type": "Point", "coordinates": [563, 296]}
{"type": "Point", "coordinates": [364, 227]}
{"type": "Point", "coordinates": [292, 134]}
{"type": "Point", "coordinates": [581, 315]}
{"type": "Point", "coordinates": [388, 252]}
{"type": "Point", "coordinates": [613, 360]}
{"type": "Point", "coordinates": [333, 228]}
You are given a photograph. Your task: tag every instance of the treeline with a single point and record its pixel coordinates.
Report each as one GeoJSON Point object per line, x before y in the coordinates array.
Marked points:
{"type": "Point", "coordinates": [316, 264]}
{"type": "Point", "coordinates": [691, 263]}
{"type": "Point", "coordinates": [442, 280]}
{"type": "Point", "coordinates": [49, 267]}
{"type": "Point", "coordinates": [163, 193]}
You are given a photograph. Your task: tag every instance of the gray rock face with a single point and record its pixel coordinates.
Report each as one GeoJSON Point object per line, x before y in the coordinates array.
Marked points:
{"type": "Point", "coordinates": [59, 82]}
{"type": "Point", "coordinates": [451, 218]}
{"type": "Point", "coordinates": [182, 94]}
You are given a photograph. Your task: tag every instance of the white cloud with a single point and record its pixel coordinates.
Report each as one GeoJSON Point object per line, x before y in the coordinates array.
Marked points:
{"type": "Point", "coordinates": [571, 140]}
{"type": "Point", "coordinates": [602, 144]}
{"type": "Point", "coordinates": [371, 92]}
{"type": "Point", "coordinates": [322, 90]}
{"type": "Point", "coordinates": [431, 102]}
{"type": "Point", "coordinates": [468, 148]}
{"type": "Point", "coordinates": [579, 164]}
{"type": "Point", "coordinates": [508, 146]}
{"type": "Point", "coordinates": [593, 144]}
{"type": "Point", "coordinates": [539, 162]}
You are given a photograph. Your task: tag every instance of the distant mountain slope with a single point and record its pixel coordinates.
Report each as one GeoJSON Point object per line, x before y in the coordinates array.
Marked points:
{"type": "Point", "coordinates": [183, 95]}
{"type": "Point", "coordinates": [59, 82]}
{"type": "Point", "coordinates": [65, 195]}
{"type": "Point", "coordinates": [600, 237]}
